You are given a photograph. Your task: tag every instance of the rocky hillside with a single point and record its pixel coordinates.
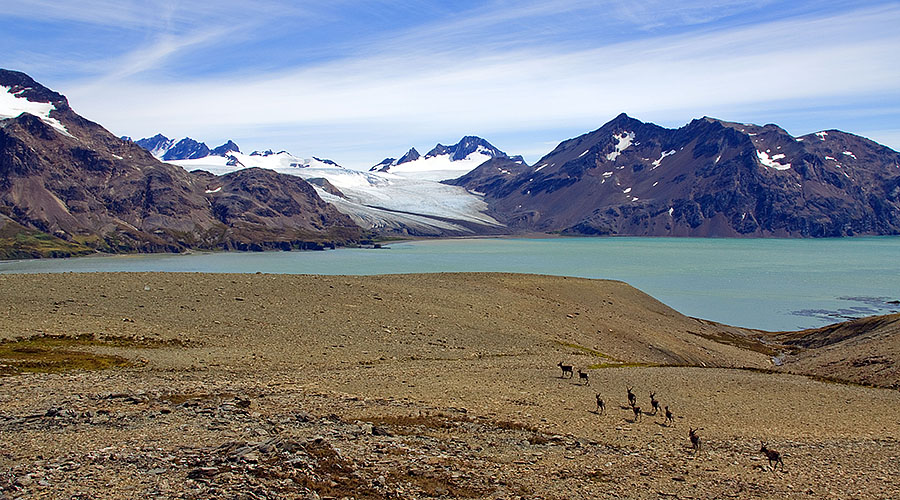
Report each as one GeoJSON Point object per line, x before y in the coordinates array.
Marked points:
{"type": "Point", "coordinates": [708, 178]}
{"type": "Point", "coordinates": [864, 351]}
{"type": "Point", "coordinates": [74, 184]}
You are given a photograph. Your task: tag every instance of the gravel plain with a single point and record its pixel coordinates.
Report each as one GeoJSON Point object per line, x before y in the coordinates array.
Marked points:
{"type": "Point", "coordinates": [410, 386]}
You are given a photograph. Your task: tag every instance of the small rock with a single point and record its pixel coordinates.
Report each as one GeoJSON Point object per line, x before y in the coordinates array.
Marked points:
{"type": "Point", "coordinates": [378, 430]}
{"type": "Point", "coordinates": [203, 472]}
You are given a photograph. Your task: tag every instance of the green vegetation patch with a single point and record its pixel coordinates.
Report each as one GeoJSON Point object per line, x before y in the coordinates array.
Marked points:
{"type": "Point", "coordinates": [19, 242]}
{"type": "Point", "coordinates": [61, 353]}
{"type": "Point", "coordinates": [52, 355]}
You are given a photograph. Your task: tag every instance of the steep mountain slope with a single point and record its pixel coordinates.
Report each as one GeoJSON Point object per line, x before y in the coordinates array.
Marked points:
{"type": "Point", "coordinates": [68, 177]}
{"type": "Point", "coordinates": [708, 178]}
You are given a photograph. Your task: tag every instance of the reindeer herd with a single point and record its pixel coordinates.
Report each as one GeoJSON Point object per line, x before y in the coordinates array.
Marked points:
{"type": "Point", "coordinates": [773, 456]}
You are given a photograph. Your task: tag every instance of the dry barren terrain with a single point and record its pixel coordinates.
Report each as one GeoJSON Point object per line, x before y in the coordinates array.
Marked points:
{"type": "Point", "coordinates": [413, 386]}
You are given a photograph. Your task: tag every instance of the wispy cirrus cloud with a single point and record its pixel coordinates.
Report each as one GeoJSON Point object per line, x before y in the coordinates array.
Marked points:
{"type": "Point", "coordinates": [503, 69]}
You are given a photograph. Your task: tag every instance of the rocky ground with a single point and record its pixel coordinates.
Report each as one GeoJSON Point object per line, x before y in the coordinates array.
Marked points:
{"type": "Point", "coordinates": [418, 386]}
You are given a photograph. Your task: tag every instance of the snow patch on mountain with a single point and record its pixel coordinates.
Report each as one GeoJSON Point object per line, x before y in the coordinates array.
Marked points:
{"type": "Point", "coordinates": [663, 155]}
{"type": "Point", "coordinates": [14, 104]}
{"type": "Point", "coordinates": [623, 141]}
{"type": "Point", "coordinates": [773, 161]}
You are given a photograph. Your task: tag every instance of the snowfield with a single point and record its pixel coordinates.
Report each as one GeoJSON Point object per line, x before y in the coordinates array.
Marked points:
{"type": "Point", "coordinates": [441, 167]}
{"type": "Point", "coordinates": [376, 200]}
{"type": "Point", "coordinates": [13, 105]}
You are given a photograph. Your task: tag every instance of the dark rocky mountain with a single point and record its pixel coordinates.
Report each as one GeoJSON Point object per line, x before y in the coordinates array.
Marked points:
{"type": "Point", "coordinates": [186, 149]}
{"type": "Point", "coordinates": [466, 146]}
{"type": "Point", "coordinates": [158, 144]}
{"type": "Point", "coordinates": [71, 186]}
{"type": "Point", "coordinates": [228, 147]}
{"type": "Point", "coordinates": [708, 178]}
{"type": "Point", "coordinates": [411, 155]}
{"type": "Point", "coordinates": [167, 149]}
{"type": "Point", "coordinates": [386, 164]}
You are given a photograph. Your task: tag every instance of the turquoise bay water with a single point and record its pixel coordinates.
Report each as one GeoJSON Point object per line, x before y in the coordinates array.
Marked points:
{"type": "Point", "coordinates": [770, 284]}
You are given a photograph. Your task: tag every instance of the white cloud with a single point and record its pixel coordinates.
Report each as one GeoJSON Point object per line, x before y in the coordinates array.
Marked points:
{"type": "Point", "coordinates": [452, 91]}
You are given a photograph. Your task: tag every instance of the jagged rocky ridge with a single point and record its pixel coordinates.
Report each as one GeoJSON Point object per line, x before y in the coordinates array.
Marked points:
{"type": "Point", "coordinates": [708, 178]}
{"type": "Point", "coordinates": [466, 146]}
{"type": "Point", "coordinates": [74, 187]}
{"type": "Point", "coordinates": [167, 149]}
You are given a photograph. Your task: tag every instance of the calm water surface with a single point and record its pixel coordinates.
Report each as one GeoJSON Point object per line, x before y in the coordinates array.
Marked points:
{"type": "Point", "coordinates": [771, 284]}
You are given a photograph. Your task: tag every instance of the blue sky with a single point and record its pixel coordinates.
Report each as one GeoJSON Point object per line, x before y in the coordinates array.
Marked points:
{"type": "Point", "coordinates": [357, 81]}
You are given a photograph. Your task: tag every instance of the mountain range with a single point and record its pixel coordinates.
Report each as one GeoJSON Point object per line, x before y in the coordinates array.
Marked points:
{"type": "Point", "coordinates": [68, 186]}
{"type": "Point", "coordinates": [708, 178]}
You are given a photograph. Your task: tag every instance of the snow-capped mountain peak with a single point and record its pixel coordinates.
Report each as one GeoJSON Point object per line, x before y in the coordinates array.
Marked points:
{"type": "Point", "coordinates": [166, 149]}
{"type": "Point", "coordinates": [442, 162]}
{"type": "Point", "coordinates": [15, 100]}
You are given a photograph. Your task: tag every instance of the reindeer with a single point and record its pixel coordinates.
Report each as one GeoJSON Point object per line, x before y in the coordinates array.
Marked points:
{"type": "Point", "coordinates": [637, 413]}
{"type": "Point", "coordinates": [583, 377]}
{"type": "Point", "coordinates": [695, 438]}
{"type": "Point", "coordinates": [632, 400]}
{"type": "Point", "coordinates": [565, 369]}
{"type": "Point", "coordinates": [773, 456]}
{"type": "Point", "coordinates": [669, 417]}
{"type": "Point", "coordinates": [654, 403]}
{"type": "Point", "coordinates": [601, 406]}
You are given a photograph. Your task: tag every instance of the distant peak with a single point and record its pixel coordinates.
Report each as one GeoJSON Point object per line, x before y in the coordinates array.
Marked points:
{"type": "Point", "coordinates": [326, 161]}
{"type": "Point", "coordinates": [411, 155]}
{"type": "Point", "coordinates": [228, 147]}
{"type": "Point", "coordinates": [467, 145]}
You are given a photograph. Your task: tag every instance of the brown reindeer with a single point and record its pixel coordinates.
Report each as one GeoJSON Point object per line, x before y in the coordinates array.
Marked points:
{"type": "Point", "coordinates": [654, 403]}
{"type": "Point", "coordinates": [637, 413]}
{"type": "Point", "coordinates": [601, 406]}
{"type": "Point", "coordinates": [583, 377]}
{"type": "Point", "coordinates": [632, 400]}
{"type": "Point", "coordinates": [565, 369]}
{"type": "Point", "coordinates": [773, 456]}
{"type": "Point", "coordinates": [695, 439]}
{"type": "Point", "coordinates": [669, 417]}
